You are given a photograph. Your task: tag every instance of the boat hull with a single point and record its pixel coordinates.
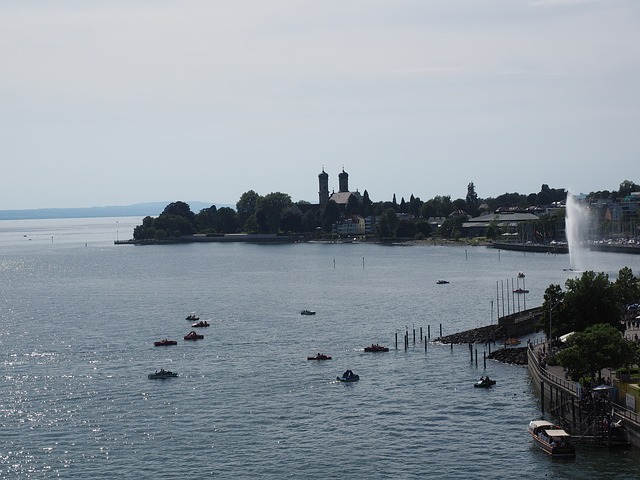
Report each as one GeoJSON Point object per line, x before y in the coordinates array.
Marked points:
{"type": "Point", "coordinates": [355, 378]}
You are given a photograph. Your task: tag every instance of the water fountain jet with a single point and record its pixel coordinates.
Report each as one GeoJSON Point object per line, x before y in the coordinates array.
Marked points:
{"type": "Point", "coordinates": [576, 230]}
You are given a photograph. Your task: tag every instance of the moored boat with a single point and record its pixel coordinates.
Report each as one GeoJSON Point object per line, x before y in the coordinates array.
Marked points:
{"type": "Point", "coordinates": [520, 290]}
{"type": "Point", "coordinates": [162, 373]}
{"type": "Point", "coordinates": [165, 342]}
{"type": "Point", "coordinates": [551, 438]}
{"type": "Point", "coordinates": [376, 348]}
{"type": "Point", "coordinates": [193, 336]}
{"type": "Point", "coordinates": [512, 341]}
{"type": "Point", "coordinates": [319, 356]}
{"type": "Point", "coordinates": [348, 376]}
{"type": "Point", "coordinates": [307, 312]}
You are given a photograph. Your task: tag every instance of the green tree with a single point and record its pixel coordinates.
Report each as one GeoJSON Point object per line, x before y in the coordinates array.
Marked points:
{"type": "Point", "coordinates": [597, 347]}
{"type": "Point", "coordinates": [472, 201]}
{"type": "Point", "coordinates": [353, 205]}
{"type": "Point", "coordinates": [494, 230]}
{"type": "Point", "coordinates": [206, 219]}
{"type": "Point", "coordinates": [388, 224]}
{"type": "Point", "coordinates": [272, 206]}
{"type": "Point", "coordinates": [246, 206]}
{"type": "Point", "coordinates": [291, 219]}
{"type": "Point", "coordinates": [180, 209]}
{"type": "Point", "coordinates": [330, 215]}
{"type": "Point", "coordinates": [627, 286]}
{"type": "Point", "coordinates": [452, 227]}
{"type": "Point", "coordinates": [552, 308]}
{"type": "Point", "coordinates": [366, 204]}
{"type": "Point", "coordinates": [174, 225]}
{"type": "Point", "coordinates": [226, 220]}
{"type": "Point", "coordinates": [589, 300]}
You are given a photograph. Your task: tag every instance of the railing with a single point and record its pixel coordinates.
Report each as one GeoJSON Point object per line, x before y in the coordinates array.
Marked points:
{"type": "Point", "coordinates": [542, 372]}
{"type": "Point", "coordinates": [618, 410]}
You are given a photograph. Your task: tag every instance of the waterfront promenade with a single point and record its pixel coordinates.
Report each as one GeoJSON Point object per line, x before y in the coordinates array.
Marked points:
{"type": "Point", "coordinates": [566, 400]}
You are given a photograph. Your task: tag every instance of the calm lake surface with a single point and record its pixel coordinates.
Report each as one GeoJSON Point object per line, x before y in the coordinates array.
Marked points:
{"type": "Point", "coordinates": [78, 317]}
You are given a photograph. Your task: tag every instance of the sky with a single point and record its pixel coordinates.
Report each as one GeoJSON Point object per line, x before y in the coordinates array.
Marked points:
{"type": "Point", "coordinates": [132, 101]}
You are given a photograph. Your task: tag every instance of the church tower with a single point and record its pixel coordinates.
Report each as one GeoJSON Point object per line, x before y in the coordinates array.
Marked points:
{"type": "Point", "coordinates": [343, 181]}
{"type": "Point", "coordinates": [323, 180]}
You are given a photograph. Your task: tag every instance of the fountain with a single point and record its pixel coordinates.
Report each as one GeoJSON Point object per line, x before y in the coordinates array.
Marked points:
{"type": "Point", "coordinates": [576, 229]}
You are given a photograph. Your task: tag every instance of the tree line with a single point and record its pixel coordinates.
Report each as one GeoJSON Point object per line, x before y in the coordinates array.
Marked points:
{"type": "Point", "coordinates": [277, 213]}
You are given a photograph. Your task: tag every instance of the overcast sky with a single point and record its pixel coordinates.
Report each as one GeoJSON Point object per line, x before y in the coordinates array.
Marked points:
{"type": "Point", "coordinates": [128, 101]}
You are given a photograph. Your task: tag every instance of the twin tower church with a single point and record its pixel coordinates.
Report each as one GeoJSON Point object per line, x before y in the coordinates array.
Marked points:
{"type": "Point", "coordinates": [343, 194]}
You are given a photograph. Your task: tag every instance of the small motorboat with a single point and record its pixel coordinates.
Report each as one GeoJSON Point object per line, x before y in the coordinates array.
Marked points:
{"type": "Point", "coordinates": [164, 343]}
{"type": "Point", "coordinates": [442, 282]}
{"type": "Point", "coordinates": [192, 317]}
{"type": "Point", "coordinates": [376, 348]}
{"type": "Point", "coordinates": [348, 376]}
{"type": "Point", "coordinates": [512, 341]}
{"type": "Point", "coordinates": [162, 373]}
{"type": "Point", "coordinates": [520, 290]}
{"type": "Point", "coordinates": [201, 323]}
{"type": "Point", "coordinates": [307, 312]}
{"type": "Point", "coordinates": [484, 382]}
{"type": "Point", "coordinates": [319, 356]}
{"type": "Point", "coordinates": [551, 438]}
{"type": "Point", "coordinates": [193, 336]}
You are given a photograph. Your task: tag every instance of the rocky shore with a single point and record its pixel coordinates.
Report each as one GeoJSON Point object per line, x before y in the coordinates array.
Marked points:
{"type": "Point", "coordinates": [490, 334]}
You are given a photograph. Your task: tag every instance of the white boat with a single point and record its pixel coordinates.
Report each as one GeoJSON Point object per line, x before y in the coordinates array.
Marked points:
{"type": "Point", "coordinates": [551, 438]}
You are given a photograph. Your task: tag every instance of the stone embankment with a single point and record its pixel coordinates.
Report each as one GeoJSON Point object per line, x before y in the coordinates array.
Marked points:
{"type": "Point", "coordinates": [490, 334]}
{"type": "Point", "coordinates": [512, 355]}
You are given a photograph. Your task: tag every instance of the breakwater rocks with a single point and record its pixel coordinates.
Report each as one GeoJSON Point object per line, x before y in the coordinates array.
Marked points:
{"type": "Point", "coordinates": [488, 334]}
{"type": "Point", "coordinates": [512, 355]}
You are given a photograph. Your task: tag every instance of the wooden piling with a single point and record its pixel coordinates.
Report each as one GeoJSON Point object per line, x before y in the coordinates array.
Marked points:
{"type": "Point", "coordinates": [484, 359]}
{"type": "Point", "coordinates": [440, 330]}
{"type": "Point", "coordinates": [396, 340]}
{"type": "Point", "coordinates": [420, 333]}
{"type": "Point", "coordinates": [429, 332]}
{"type": "Point", "coordinates": [476, 357]}
{"type": "Point", "coordinates": [414, 335]}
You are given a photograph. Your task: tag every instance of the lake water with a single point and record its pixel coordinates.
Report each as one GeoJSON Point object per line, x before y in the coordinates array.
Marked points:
{"type": "Point", "coordinates": [79, 315]}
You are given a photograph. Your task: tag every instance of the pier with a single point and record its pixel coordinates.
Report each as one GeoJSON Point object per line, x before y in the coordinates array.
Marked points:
{"type": "Point", "coordinates": [591, 416]}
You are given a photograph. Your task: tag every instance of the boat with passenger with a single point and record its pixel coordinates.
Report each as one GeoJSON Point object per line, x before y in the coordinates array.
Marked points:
{"type": "Point", "coordinates": [376, 348]}
{"type": "Point", "coordinates": [201, 323]}
{"type": "Point", "coordinates": [193, 336]}
{"type": "Point", "coordinates": [307, 312]}
{"type": "Point", "coordinates": [551, 438]}
{"type": "Point", "coordinates": [348, 376]}
{"type": "Point", "coordinates": [164, 343]}
{"type": "Point", "coordinates": [162, 373]}
{"type": "Point", "coordinates": [442, 282]}
{"type": "Point", "coordinates": [484, 382]}
{"type": "Point", "coordinates": [192, 317]}
{"type": "Point", "coordinates": [319, 356]}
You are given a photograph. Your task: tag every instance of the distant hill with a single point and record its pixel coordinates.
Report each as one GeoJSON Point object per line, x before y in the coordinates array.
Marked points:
{"type": "Point", "coordinates": [152, 209]}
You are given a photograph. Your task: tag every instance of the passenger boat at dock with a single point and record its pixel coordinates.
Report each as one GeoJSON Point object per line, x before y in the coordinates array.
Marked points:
{"type": "Point", "coordinates": [551, 438]}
